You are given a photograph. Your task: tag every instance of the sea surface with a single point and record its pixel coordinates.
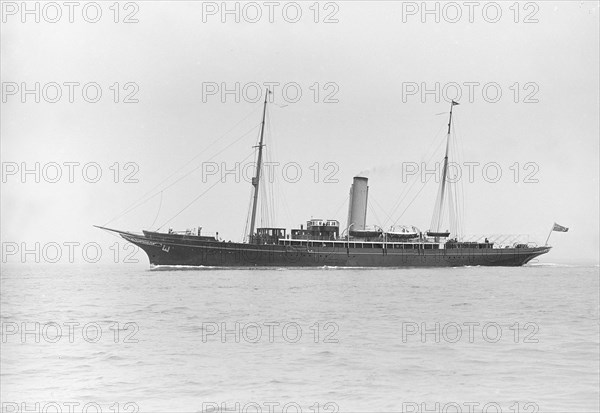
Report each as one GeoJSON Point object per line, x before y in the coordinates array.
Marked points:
{"type": "Point", "coordinates": [127, 338]}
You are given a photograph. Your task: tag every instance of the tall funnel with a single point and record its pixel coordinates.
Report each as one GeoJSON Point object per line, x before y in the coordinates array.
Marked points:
{"type": "Point", "coordinates": [357, 206]}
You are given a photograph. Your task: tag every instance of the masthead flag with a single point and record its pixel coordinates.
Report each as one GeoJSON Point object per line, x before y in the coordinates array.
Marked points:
{"type": "Point", "coordinates": [455, 103]}
{"type": "Point", "coordinates": [559, 228]}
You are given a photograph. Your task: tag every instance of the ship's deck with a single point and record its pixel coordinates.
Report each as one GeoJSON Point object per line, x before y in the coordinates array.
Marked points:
{"type": "Point", "coordinates": [427, 245]}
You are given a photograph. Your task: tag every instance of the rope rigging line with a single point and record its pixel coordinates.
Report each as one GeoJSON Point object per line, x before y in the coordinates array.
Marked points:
{"type": "Point", "coordinates": [263, 206]}
{"type": "Point", "coordinates": [388, 217]}
{"type": "Point", "coordinates": [273, 185]}
{"type": "Point", "coordinates": [247, 226]}
{"type": "Point", "coordinates": [188, 205]}
{"type": "Point", "coordinates": [454, 214]}
{"type": "Point", "coordinates": [411, 202]}
{"type": "Point", "coordinates": [341, 205]}
{"type": "Point", "coordinates": [137, 203]}
{"type": "Point", "coordinates": [406, 191]}
{"type": "Point", "coordinates": [344, 202]}
{"type": "Point", "coordinates": [462, 212]}
{"type": "Point", "coordinates": [197, 198]}
{"type": "Point", "coordinates": [413, 199]}
{"type": "Point", "coordinates": [455, 192]}
{"type": "Point", "coordinates": [279, 193]}
{"type": "Point", "coordinates": [436, 208]}
{"type": "Point", "coordinates": [270, 187]}
{"type": "Point", "coordinates": [158, 212]}
{"type": "Point", "coordinates": [269, 197]}
{"type": "Point", "coordinates": [260, 200]}
{"type": "Point", "coordinates": [374, 213]}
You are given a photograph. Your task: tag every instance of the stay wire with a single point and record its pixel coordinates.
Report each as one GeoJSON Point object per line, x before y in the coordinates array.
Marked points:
{"type": "Point", "coordinates": [196, 198]}
{"type": "Point", "coordinates": [137, 203]}
{"type": "Point", "coordinates": [135, 206]}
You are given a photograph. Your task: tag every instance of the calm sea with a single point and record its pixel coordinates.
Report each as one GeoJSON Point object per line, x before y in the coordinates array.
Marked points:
{"type": "Point", "coordinates": [125, 338]}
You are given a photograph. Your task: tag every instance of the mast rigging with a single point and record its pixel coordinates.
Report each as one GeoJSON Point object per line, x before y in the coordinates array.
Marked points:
{"type": "Point", "coordinates": [256, 178]}
{"type": "Point", "coordinates": [436, 221]}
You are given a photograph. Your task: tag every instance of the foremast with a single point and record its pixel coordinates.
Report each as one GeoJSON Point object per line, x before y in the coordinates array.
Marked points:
{"type": "Point", "coordinates": [256, 178]}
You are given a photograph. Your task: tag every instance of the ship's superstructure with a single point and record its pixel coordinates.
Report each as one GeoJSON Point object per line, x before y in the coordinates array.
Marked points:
{"type": "Point", "coordinates": [324, 243]}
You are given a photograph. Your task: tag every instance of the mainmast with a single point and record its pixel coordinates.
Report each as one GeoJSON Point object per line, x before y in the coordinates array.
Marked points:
{"type": "Point", "coordinates": [256, 178]}
{"type": "Point", "coordinates": [435, 224]}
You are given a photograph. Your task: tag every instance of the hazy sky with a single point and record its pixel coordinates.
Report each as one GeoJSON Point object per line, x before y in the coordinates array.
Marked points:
{"type": "Point", "coordinates": [362, 110]}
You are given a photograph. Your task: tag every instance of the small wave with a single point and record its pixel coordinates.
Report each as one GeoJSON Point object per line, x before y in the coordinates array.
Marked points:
{"type": "Point", "coordinates": [561, 265]}
{"type": "Point", "coordinates": [114, 358]}
{"type": "Point", "coordinates": [182, 267]}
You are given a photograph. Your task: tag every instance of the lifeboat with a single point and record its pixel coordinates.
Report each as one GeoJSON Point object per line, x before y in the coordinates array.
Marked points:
{"type": "Point", "coordinates": [403, 232]}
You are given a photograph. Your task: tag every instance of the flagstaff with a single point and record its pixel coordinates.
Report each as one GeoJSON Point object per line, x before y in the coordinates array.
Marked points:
{"type": "Point", "coordinates": [557, 228]}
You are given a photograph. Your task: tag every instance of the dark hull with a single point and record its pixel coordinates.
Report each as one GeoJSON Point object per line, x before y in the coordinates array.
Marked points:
{"type": "Point", "coordinates": [163, 250]}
